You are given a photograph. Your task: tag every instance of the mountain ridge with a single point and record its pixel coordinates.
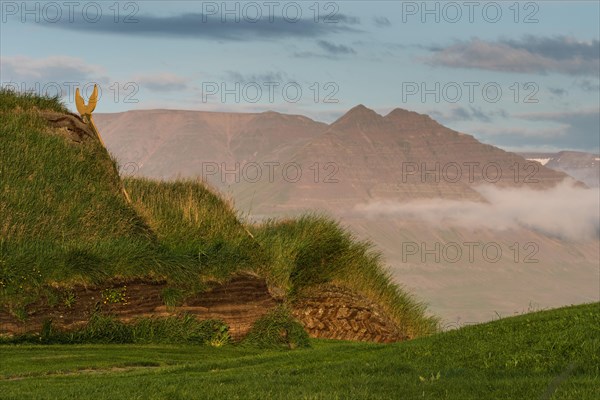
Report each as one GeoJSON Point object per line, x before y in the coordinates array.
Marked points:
{"type": "Point", "coordinates": [248, 137]}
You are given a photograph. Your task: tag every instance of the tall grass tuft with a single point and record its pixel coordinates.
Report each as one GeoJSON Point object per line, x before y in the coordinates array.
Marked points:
{"type": "Point", "coordinates": [277, 329]}
{"type": "Point", "coordinates": [107, 329]}
{"type": "Point", "coordinates": [11, 100]}
{"type": "Point", "coordinates": [198, 226]}
{"type": "Point", "coordinates": [314, 249]}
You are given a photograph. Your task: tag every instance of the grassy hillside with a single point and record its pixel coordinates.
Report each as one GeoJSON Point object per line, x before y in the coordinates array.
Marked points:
{"type": "Point", "coordinates": [545, 355]}
{"type": "Point", "coordinates": [64, 220]}
{"type": "Point", "coordinates": [195, 224]}
{"type": "Point", "coordinates": [62, 215]}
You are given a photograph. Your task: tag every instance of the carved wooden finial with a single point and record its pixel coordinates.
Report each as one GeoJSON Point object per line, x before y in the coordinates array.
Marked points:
{"type": "Point", "coordinates": [86, 114]}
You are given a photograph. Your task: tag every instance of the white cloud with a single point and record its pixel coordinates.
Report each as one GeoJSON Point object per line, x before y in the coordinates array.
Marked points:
{"type": "Point", "coordinates": [545, 133]}
{"type": "Point", "coordinates": [565, 211]}
{"type": "Point", "coordinates": [50, 69]}
{"type": "Point", "coordinates": [161, 82]}
{"type": "Point", "coordinates": [532, 54]}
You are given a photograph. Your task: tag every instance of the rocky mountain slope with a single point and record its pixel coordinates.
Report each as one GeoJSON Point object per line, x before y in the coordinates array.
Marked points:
{"type": "Point", "coordinates": [402, 156]}
{"type": "Point", "coordinates": [169, 143]}
{"type": "Point", "coordinates": [288, 161]}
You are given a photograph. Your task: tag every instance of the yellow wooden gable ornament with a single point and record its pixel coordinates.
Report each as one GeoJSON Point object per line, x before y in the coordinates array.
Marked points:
{"type": "Point", "coordinates": [86, 114]}
{"type": "Point", "coordinates": [87, 110]}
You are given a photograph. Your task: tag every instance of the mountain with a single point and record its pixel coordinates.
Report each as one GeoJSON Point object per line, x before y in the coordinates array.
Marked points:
{"type": "Point", "coordinates": [403, 156]}
{"type": "Point", "coordinates": [582, 166]}
{"type": "Point", "coordinates": [170, 143]}
{"type": "Point", "coordinates": [360, 157]}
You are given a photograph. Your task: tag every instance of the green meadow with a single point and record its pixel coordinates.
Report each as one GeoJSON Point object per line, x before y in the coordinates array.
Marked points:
{"type": "Point", "coordinates": [551, 354]}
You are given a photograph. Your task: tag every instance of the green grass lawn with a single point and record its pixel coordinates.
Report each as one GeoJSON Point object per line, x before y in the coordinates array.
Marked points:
{"type": "Point", "coordinates": [546, 355]}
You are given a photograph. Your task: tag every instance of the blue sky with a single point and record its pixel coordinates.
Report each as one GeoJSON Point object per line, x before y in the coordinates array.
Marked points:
{"type": "Point", "coordinates": [447, 59]}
